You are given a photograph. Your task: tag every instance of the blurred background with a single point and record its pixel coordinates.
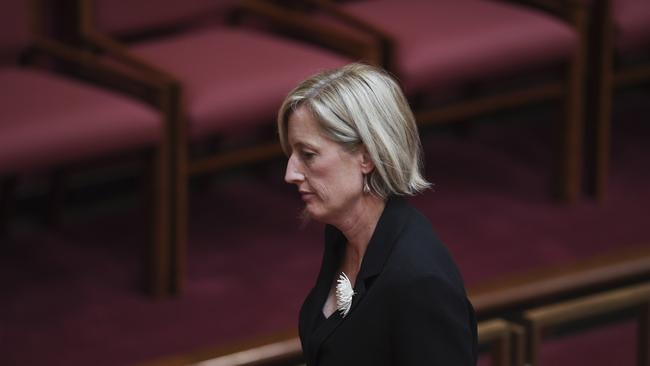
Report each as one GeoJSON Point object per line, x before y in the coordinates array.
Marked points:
{"type": "Point", "coordinates": [143, 214]}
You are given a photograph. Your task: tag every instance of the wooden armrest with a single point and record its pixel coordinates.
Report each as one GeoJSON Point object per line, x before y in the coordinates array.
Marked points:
{"type": "Point", "coordinates": [330, 8]}
{"type": "Point", "coordinates": [300, 23]}
{"type": "Point", "coordinates": [590, 306]}
{"type": "Point", "coordinates": [386, 45]}
{"type": "Point", "coordinates": [96, 69]}
{"type": "Point", "coordinates": [115, 50]}
{"type": "Point", "coordinates": [118, 52]}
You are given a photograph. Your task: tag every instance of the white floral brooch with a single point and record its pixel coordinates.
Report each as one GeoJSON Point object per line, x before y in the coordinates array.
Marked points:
{"type": "Point", "coordinates": [344, 293]}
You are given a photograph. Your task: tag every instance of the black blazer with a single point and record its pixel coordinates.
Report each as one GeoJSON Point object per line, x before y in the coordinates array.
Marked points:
{"type": "Point", "coordinates": [409, 306]}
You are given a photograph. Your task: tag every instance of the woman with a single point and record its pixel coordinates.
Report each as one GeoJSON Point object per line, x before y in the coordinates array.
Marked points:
{"type": "Point", "coordinates": [354, 151]}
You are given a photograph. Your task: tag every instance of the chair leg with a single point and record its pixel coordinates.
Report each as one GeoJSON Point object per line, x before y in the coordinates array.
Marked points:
{"type": "Point", "coordinates": [599, 106]}
{"type": "Point", "coordinates": [180, 218]}
{"type": "Point", "coordinates": [157, 257]}
{"type": "Point", "coordinates": [568, 170]}
{"type": "Point", "coordinates": [177, 141]}
{"type": "Point", "coordinates": [7, 203]}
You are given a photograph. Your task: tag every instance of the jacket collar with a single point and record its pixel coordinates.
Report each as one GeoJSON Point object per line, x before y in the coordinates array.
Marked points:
{"type": "Point", "coordinates": [389, 226]}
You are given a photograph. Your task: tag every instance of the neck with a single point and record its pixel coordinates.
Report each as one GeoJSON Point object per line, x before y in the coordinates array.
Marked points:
{"type": "Point", "coordinates": [358, 227]}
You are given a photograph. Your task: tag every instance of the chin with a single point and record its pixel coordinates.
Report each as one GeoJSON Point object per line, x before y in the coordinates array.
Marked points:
{"type": "Point", "coordinates": [310, 213]}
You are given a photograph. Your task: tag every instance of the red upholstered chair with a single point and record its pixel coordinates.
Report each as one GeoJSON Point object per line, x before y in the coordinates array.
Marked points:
{"type": "Point", "coordinates": [233, 79]}
{"type": "Point", "coordinates": [48, 120]}
{"type": "Point", "coordinates": [620, 57]}
{"type": "Point", "coordinates": [439, 46]}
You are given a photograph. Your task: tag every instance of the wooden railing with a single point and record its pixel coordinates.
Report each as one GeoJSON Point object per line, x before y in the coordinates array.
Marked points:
{"type": "Point", "coordinates": [635, 297]}
{"type": "Point", "coordinates": [512, 294]}
{"type": "Point", "coordinates": [557, 290]}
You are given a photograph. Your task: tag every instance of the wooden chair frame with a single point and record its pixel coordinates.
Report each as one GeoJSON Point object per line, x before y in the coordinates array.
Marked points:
{"type": "Point", "coordinates": [296, 21]}
{"type": "Point", "coordinates": [590, 307]}
{"type": "Point", "coordinates": [605, 77]}
{"type": "Point", "coordinates": [568, 155]}
{"type": "Point", "coordinates": [506, 341]}
{"type": "Point", "coordinates": [184, 166]}
{"type": "Point", "coordinates": [151, 89]}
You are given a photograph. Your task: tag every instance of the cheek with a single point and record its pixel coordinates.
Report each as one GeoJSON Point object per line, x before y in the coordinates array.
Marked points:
{"type": "Point", "coordinates": [322, 179]}
{"type": "Point", "coordinates": [333, 178]}
{"type": "Point", "coordinates": [337, 186]}
{"type": "Point", "coordinates": [319, 185]}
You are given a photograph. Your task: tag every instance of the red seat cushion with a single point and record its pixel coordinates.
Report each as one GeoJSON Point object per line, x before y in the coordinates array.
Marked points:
{"type": "Point", "coordinates": [47, 120]}
{"type": "Point", "coordinates": [234, 79]}
{"type": "Point", "coordinates": [446, 41]}
{"type": "Point", "coordinates": [632, 22]}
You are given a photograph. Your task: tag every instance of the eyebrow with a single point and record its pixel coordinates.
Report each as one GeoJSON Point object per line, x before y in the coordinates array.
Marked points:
{"type": "Point", "coordinates": [301, 144]}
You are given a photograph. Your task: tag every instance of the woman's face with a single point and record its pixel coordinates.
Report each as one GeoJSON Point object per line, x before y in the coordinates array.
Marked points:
{"type": "Point", "coordinates": [329, 178]}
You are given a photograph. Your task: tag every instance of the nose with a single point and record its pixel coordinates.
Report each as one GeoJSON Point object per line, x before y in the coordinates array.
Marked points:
{"type": "Point", "coordinates": [294, 174]}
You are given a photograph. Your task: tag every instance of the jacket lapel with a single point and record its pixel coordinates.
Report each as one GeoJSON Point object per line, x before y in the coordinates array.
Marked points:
{"type": "Point", "coordinates": [334, 246]}
{"type": "Point", "coordinates": [386, 232]}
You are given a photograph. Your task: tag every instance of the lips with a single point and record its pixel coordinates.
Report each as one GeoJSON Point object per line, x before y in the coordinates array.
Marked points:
{"type": "Point", "coordinates": [305, 195]}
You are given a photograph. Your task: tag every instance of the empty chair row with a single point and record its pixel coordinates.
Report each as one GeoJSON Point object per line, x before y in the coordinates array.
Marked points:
{"type": "Point", "coordinates": [184, 74]}
{"type": "Point", "coordinates": [48, 119]}
{"type": "Point", "coordinates": [234, 77]}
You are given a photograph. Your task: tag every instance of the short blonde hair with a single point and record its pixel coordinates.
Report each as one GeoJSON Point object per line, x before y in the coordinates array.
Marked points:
{"type": "Point", "coordinates": [362, 105]}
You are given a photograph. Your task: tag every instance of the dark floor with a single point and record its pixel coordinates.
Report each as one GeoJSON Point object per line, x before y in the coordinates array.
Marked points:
{"type": "Point", "coordinates": [69, 296]}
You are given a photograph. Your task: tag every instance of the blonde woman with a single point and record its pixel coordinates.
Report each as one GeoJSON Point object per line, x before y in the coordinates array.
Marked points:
{"type": "Point", "coordinates": [388, 292]}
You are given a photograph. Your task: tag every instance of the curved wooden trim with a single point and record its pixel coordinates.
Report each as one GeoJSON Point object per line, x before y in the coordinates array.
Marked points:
{"type": "Point", "coordinates": [557, 282]}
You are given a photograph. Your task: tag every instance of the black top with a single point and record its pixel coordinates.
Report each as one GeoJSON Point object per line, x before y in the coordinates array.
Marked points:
{"type": "Point", "coordinates": [409, 306]}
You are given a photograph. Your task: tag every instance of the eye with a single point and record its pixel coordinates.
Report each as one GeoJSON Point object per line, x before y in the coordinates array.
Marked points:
{"type": "Point", "coordinates": [307, 155]}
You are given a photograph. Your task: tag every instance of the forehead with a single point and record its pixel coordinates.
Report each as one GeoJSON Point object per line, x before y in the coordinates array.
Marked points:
{"type": "Point", "coordinates": [303, 128]}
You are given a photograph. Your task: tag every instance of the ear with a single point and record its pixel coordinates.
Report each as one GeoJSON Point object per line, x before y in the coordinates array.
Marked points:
{"type": "Point", "coordinates": [367, 165]}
